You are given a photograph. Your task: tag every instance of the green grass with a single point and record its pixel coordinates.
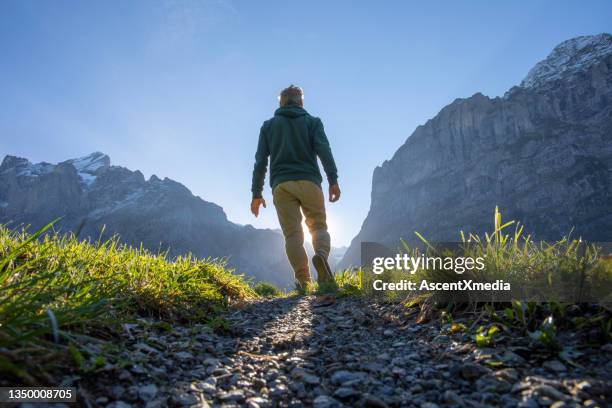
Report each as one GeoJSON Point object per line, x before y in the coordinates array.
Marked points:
{"type": "Point", "coordinates": [55, 288]}
{"type": "Point", "coordinates": [267, 289]}
{"type": "Point", "coordinates": [55, 291]}
{"type": "Point", "coordinates": [557, 269]}
{"type": "Point", "coordinates": [346, 283]}
{"type": "Point", "coordinates": [567, 270]}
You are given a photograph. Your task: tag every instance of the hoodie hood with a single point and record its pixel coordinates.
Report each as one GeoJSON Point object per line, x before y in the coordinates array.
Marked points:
{"type": "Point", "coordinates": [291, 111]}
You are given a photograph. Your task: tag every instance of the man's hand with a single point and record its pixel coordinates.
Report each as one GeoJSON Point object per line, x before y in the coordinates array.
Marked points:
{"type": "Point", "coordinates": [334, 193]}
{"type": "Point", "coordinates": [255, 205]}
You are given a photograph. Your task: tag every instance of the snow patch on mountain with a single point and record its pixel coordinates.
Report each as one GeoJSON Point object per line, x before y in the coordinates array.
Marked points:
{"type": "Point", "coordinates": [35, 170]}
{"type": "Point", "coordinates": [88, 166]}
{"type": "Point", "coordinates": [91, 162]}
{"type": "Point", "coordinates": [569, 57]}
{"type": "Point", "coordinates": [87, 179]}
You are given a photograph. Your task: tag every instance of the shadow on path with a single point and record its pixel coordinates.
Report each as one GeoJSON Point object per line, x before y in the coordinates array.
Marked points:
{"type": "Point", "coordinates": [362, 353]}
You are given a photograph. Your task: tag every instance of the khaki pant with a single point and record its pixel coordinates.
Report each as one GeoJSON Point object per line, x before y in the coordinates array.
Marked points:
{"type": "Point", "coordinates": [289, 198]}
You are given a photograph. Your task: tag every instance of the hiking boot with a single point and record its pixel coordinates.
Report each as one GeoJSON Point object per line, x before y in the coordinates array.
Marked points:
{"type": "Point", "coordinates": [324, 273]}
{"type": "Point", "coordinates": [301, 288]}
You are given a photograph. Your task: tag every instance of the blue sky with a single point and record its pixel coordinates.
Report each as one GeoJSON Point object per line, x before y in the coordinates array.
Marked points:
{"type": "Point", "coordinates": [180, 88]}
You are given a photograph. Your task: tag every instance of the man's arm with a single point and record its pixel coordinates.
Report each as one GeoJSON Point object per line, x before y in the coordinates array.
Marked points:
{"type": "Point", "coordinates": [259, 172]}
{"type": "Point", "coordinates": [323, 150]}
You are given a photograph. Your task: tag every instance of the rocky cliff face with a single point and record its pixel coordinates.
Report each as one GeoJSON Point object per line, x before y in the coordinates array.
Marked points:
{"type": "Point", "coordinates": [542, 153]}
{"type": "Point", "coordinates": [89, 193]}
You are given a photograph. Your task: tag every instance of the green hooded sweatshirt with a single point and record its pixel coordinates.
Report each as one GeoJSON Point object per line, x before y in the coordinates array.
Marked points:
{"type": "Point", "coordinates": [292, 139]}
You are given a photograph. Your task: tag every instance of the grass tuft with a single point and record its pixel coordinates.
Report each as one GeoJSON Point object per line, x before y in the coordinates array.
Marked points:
{"type": "Point", "coordinates": [266, 289]}
{"type": "Point", "coordinates": [54, 286]}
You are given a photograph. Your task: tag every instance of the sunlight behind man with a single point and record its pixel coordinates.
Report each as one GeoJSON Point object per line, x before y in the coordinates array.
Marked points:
{"type": "Point", "coordinates": [331, 227]}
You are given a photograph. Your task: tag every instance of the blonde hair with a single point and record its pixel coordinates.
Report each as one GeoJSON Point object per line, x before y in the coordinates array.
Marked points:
{"type": "Point", "coordinates": [292, 95]}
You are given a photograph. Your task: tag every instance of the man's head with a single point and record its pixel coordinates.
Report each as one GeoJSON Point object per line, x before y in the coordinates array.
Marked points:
{"type": "Point", "coordinates": [293, 95]}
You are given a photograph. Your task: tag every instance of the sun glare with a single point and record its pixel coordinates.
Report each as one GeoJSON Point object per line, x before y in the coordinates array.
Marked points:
{"type": "Point", "coordinates": [308, 237]}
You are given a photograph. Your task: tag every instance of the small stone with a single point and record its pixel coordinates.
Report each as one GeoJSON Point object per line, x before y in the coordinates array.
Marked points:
{"type": "Point", "coordinates": [489, 383]}
{"type": "Point", "coordinates": [545, 401]}
{"type": "Point", "coordinates": [383, 356]}
{"type": "Point", "coordinates": [205, 387]}
{"type": "Point", "coordinates": [232, 396]}
{"type": "Point", "coordinates": [373, 367]}
{"type": "Point", "coordinates": [259, 383]}
{"type": "Point", "coordinates": [131, 393]}
{"type": "Point", "coordinates": [528, 403]}
{"type": "Point", "coordinates": [554, 366]}
{"type": "Point", "coordinates": [147, 392]}
{"type": "Point", "coordinates": [257, 402]}
{"type": "Point", "coordinates": [324, 401]}
{"type": "Point", "coordinates": [508, 374]}
{"type": "Point", "coordinates": [138, 369]}
{"type": "Point", "coordinates": [278, 391]}
{"type": "Point", "coordinates": [583, 386]}
{"type": "Point", "coordinates": [298, 372]}
{"type": "Point", "coordinates": [211, 362]}
{"type": "Point", "coordinates": [559, 404]}
{"type": "Point", "coordinates": [398, 371]}
{"type": "Point", "coordinates": [507, 401]}
{"type": "Point", "coordinates": [452, 398]}
{"type": "Point", "coordinates": [158, 372]}
{"type": "Point", "coordinates": [161, 403]}
{"type": "Point", "coordinates": [417, 388]}
{"type": "Point", "coordinates": [183, 355]}
{"type": "Point", "coordinates": [606, 348]}
{"type": "Point", "coordinates": [118, 404]}
{"type": "Point", "coordinates": [116, 391]}
{"type": "Point", "coordinates": [471, 371]}
{"type": "Point", "coordinates": [220, 371]}
{"type": "Point", "coordinates": [441, 339]}
{"type": "Point", "coordinates": [519, 386]}
{"type": "Point", "coordinates": [372, 401]}
{"type": "Point", "coordinates": [303, 375]}
{"type": "Point", "coordinates": [272, 374]}
{"type": "Point", "coordinates": [295, 403]}
{"type": "Point", "coordinates": [145, 348]}
{"type": "Point", "coordinates": [429, 405]}
{"type": "Point", "coordinates": [311, 379]}
{"type": "Point", "coordinates": [184, 399]}
{"type": "Point", "coordinates": [342, 376]}
{"type": "Point", "coordinates": [549, 391]}
{"type": "Point", "coordinates": [344, 392]}
{"type": "Point", "coordinates": [510, 357]}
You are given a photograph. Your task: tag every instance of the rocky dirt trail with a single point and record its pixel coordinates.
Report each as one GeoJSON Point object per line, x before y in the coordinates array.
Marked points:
{"type": "Point", "coordinates": [289, 353]}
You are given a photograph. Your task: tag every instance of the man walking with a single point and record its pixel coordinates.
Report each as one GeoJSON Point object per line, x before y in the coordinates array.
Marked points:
{"type": "Point", "coordinates": [293, 140]}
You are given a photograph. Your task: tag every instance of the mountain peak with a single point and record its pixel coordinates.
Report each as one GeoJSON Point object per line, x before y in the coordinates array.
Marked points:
{"type": "Point", "coordinates": [88, 167]}
{"type": "Point", "coordinates": [569, 57]}
{"type": "Point", "coordinates": [10, 161]}
{"type": "Point", "coordinates": [23, 167]}
{"type": "Point", "coordinates": [90, 163]}
{"type": "Point", "coordinates": [97, 201]}
{"type": "Point", "coordinates": [528, 153]}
